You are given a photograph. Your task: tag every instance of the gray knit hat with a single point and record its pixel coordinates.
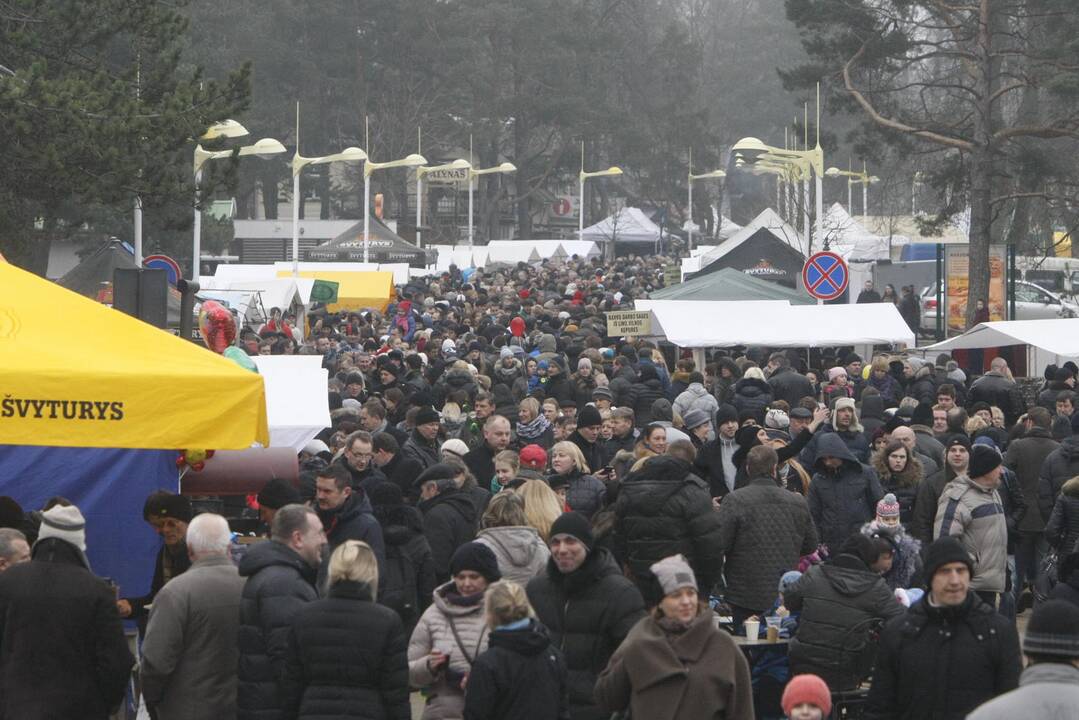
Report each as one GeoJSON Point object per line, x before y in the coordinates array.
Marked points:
{"type": "Point", "coordinates": [674, 573]}
{"type": "Point", "coordinates": [1053, 630]}
{"type": "Point", "coordinates": [64, 522]}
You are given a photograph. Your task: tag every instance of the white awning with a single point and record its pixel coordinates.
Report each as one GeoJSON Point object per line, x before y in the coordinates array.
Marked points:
{"type": "Point", "coordinates": [297, 398]}
{"type": "Point", "coordinates": [1055, 336]}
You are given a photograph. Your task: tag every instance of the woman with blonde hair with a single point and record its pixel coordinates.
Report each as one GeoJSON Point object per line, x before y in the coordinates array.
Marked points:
{"type": "Point", "coordinates": [520, 675]}
{"type": "Point", "coordinates": [346, 653]}
{"type": "Point", "coordinates": [542, 506]}
{"type": "Point", "coordinates": [533, 427]}
{"type": "Point", "coordinates": [584, 492]}
{"type": "Point", "coordinates": [518, 547]}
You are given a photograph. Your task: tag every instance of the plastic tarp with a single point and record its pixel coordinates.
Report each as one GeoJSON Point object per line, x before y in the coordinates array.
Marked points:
{"type": "Point", "coordinates": [1056, 336]}
{"type": "Point", "coordinates": [114, 381]}
{"type": "Point", "coordinates": [109, 487]}
{"type": "Point", "coordinates": [356, 290]}
{"type": "Point", "coordinates": [730, 284]}
{"type": "Point", "coordinates": [628, 225]}
{"type": "Point", "coordinates": [691, 324]}
{"type": "Point", "coordinates": [297, 398]}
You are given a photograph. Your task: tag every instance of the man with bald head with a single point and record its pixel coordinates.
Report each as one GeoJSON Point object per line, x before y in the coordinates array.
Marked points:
{"type": "Point", "coordinates": [910, 441]}
{"type": "Point", "coordinates": [481, 460]}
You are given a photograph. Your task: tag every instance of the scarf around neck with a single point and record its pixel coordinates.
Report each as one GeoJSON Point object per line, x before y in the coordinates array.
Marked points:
{"type": "Point", "coordinates": [534, 429]}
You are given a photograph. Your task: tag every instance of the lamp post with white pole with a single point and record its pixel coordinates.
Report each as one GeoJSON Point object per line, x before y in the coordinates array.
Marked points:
{"type": "Point", "coordinates": [504, 168]}
{"type": "Point", "coordinates": [413, 160]}
{"type": "Point", "coordinates": [582, 176]}
{"type": "Point", "coordinates": [264, 148]}
{"type": "Point", "coordinates": [453, 167]}
{"type": "Point", "coordinates": [862, 178]}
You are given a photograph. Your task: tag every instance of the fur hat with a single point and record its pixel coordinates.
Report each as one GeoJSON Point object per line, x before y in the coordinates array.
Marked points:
{"type": "Point", "coordinates": [163, 504]}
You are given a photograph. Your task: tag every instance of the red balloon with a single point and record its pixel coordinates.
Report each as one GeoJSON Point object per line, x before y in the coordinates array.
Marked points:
{"type": "Point", "coordinates": [517, 327]}
{"type": "Point", "coordinates": [217, 326]}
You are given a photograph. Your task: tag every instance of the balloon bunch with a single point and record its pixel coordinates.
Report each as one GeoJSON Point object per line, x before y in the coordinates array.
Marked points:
{"type": "Point", "coordinates": [194, 459]}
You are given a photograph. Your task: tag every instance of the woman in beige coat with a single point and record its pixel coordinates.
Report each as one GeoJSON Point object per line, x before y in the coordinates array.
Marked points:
{"type": "Point", "coordinates": [675, 664]}
{"type": "Point", "coordinates": [452, 633]}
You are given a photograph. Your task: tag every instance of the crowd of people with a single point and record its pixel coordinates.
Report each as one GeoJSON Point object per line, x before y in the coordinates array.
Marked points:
{"type": "Point", "coordinates": [518, 516]}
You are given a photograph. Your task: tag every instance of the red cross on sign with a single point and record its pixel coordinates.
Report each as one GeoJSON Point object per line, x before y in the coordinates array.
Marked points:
{"type": "Point", "coordinates": [825, 275]}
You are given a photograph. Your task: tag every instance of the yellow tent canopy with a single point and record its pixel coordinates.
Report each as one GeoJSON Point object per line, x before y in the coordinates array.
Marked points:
{"type": "Point", "coordinates": [357, 289]}
{"type": "Point", "coordinates": [75, 373]}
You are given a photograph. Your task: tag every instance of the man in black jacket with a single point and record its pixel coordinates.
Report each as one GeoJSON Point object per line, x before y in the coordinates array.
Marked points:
{"type": "Point", "coordinates": [346, 513]}
{"type": "Point", "coordinates": [764, 529]}
{"type": "Point", "coordinates": [663, 509]}
{"type": "Point", "coordinates": [481, 460]}
{"type": "Point", "coordinates": [715, 462]}
{"type": "Point", "coordinates": [787, 384]}
{"type": "Point", "coordinates": [843, 493]}
{"type": "Point", "coordinates": [997, 388]}
{"type": "Point", "coordinates": [587, 606]}
{"type": "Point", "coordinates": [586, 437]}
{"type": "Point", "coordinates": [450, 516]}
{"type": "Point", "coordinates": [949, 653]}
{"type": "Point", "coordinates": [422, 444]}
{"type": "Point", "coordinates": [280, 579]}
{"type": "Point", "coordinates": [168, 514]}
{"type": "Point", "coordinates": [357, 460]}
{"type": "Point", "coordinates": [62, 648]}
{"type": "Point", "coordinates": [397, 468]}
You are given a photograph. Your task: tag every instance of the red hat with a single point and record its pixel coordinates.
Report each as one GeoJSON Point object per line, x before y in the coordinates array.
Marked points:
{"type": "Point", "coordinates": [533, 457]}
{"type": "Point", "coordinates": [807, 689]}
{"type": "Point", "coordinates": [523, 294]}
{"type": "Point", "coordinates": [405, 305]}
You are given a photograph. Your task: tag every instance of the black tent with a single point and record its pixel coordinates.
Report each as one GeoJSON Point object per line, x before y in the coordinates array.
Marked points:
{"type": "Point", "coordinates": [93, 276]}
{"type": "Point", "coordinates": [385, 247]}
{"type": "Point", "coordinates": [762, 255]}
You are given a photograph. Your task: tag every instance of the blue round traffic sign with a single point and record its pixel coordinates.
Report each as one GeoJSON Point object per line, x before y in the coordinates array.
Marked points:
{"type": "Point", "coordinates": [164, 262]}
{"type": "Point", "coordinates": [825, 275]}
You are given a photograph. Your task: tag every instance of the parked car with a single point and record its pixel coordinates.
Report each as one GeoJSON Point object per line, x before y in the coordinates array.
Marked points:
{"type": "Point", "coordinates": [1031, 303]}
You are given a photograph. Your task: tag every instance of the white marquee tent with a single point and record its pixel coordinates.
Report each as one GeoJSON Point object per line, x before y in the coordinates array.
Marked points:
{"type": "Point", "coordinates": [1049, 341]}
{"type": "Point", "coordinates": [768, 219]}
{"type": "Point", "coordinates": [852, 241]}
{"type": "Point", "coordinates": [628, 225]}
{"type": "Point", "coordinates": [297, 405]}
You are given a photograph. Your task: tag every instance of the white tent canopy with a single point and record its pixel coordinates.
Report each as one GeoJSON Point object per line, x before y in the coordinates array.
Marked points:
{"type": "Point", "coordinates": [628, 225]}
{"type": "Point", "coordinates": [852, 241]}
{"type": "Point", "coordinates": [272, 292]}
{"type": "Point", "coordinates": [768, 219]}
{"type": "Point", "coordinates": [1057, 336]}
{"type": "Point", "coordinates": [693, 324]}
{"type": "Point", "coordinates": [297, 398]}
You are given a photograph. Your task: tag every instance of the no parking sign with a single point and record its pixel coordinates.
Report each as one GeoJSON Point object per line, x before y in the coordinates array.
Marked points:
{"type": "Point", "coordinates": [825, 275]}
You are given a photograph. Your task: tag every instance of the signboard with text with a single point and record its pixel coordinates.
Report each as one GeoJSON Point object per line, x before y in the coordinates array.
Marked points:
{"type": "Point", "coordinates": [621, 323]}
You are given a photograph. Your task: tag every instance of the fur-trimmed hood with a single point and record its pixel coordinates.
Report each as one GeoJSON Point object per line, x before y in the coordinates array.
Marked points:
{"type": "Point", "coordinates": [911, 475]}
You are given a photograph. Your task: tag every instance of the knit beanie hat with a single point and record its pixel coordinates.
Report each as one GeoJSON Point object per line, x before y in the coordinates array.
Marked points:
{"type": "Point", "coordinates": [278, 493]}
{"type": "Point", "coordinates": [835, 372]}
{"type": "Point", "coordinates": [726, 413]}
{"type": "Point", "coordinates": [576, 526]}
{"type": "Point", "coordinates": [64, 522]}
{"type": "Point", "coordinates": [456, 446]}
{"type": "Point", "coordinates": [983, 460]}
{"type": "Point", "coordinates": [888, 506]}
{"type": "Point", "coordinates": [533, 457]}
{"type": "Point", "coordinates": [427, 414]}
{"type": "Point", "coordinates": [1053, 630]}
{"type": "Point", "coordinates": [589, 417]}
{"type": "Point", "coordinates": [477, 557]}
{"type": "Point", "coordinates": [505, 352]}
{"type": "Point", "coordinates": [958, 440]}
{"type": "Point", "coordinates": [807, 689]}
{"type": "Point", "coordinates": [923, 415]}
{"type": "Point", "coordinates": [387, 494]}
{"type": "Point", "coordinates": [694, 418]}
{"type": "Point", "coordinates": [777, 419]}
{"type": "Point", "coordinates": [673, 574]}
{"type": "Point", "coordinates": [789, 578]}
{"type": "Point", "coordinates": [943, 551]}
{"type": "Point", "coordinates": [163, 504]}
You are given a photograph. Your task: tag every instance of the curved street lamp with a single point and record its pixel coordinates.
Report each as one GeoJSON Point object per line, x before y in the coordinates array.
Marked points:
{"type": "Point", "coordinates": [504, 168]}
{"type": "Point", "coordinates": [460, 164]}
{"type": "Point", "coordinates": [862, 178]}
{"type": "Point", "coordinates": [413, 160]}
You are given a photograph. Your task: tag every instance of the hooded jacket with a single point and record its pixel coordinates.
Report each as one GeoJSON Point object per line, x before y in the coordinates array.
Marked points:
{"type": "Point", "coordinates": [588, 614]}
{"type": "Point", "coordinates": [64, 651]}
{"type": "Point", "coordinates": [663, 509]}
{"type": "Point", "coordinates": [449, 521]}
{"type": "Point", "coordinates": [923, 386]}
{"type": "Point", "coordinates": [279, 583]}
{"type": "Point", "coordinates": [1060, 466]}
{"type": "Point", "coordinates": [904, 485]}
{"type": "Point", "coordinates": [939, 663]}
{"type": "Point", "coordinates": [643, 393]}
{"type": "Point", "coordinates": [871, 414]}
{"type": "Point", "coordinates": [844, 500]}
{"type": "Point", "coordinates": [695, 397]}
{"type": "Point", "coordinates": [520, 676]}
{"type": "Point", "coordinates": [1062, 530]}
{"type": "Point", "coordinates": [408, 576]}
{"type": "Point", "coordinates": [520, 551]}
{"type": "Point", "coordinates": [752, 396]}
{"type": "Point", "coordinates": [840, 602]}
{"type": "Point", "coordinates": [459, 631]}
{"type": "Point", "coordinates": [976, 516]}
{"type": "Point", "coordinates": [853, 436]}
{"type": "Point", "coordinates": [1025, 457]}
{"type": "Point", "coordinates": [621, 385]}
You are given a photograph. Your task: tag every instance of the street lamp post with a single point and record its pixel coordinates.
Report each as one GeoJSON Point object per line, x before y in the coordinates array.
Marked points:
{"type": "Point", "coordinates": [862, 178]}
{"type": "Point", "coordinates": [413, 160]}
{"type": "Point", "coordinates": [264, 148]}
{"type": "Point", "coordinates": [461, 164]}
{"type": "Point", "coordinates": [350, 154]}
{"type": "Point", "coordinates": [609, 172]}
{"type": "Point", "coordinates": [504, 168]}
{"type": "Point", "coordinates": [692, 177]}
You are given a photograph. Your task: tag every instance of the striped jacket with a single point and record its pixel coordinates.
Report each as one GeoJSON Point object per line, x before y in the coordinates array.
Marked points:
{"type": "Point", "coordinates": [975, 515]}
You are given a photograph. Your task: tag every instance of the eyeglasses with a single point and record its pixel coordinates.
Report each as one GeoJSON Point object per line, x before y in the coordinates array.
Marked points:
{"type": "Point", "coordinates": [353, 453]}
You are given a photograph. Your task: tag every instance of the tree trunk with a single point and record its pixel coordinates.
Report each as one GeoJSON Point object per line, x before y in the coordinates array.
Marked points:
{"type": "Point", "coordinates": [981, 169]}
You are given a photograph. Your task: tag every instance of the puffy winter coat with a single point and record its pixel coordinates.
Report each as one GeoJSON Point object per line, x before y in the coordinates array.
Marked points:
{"type": "Point", "coordinates": [1025, 457]}
{"type": "Point", "coordinates": [621, 386]}
{"type": "Point", "coordinates": [664, 509]}
{"type": "Point", "coordinates": [976, 516]}
{"type": "Point", "coordinates": [346, 659]}
{"type": "Point", "coordinates": [64, 654]}
{"type": "Point", "coordinates": [906, 570]}
{"type": "Point", "coordinates": [904, 485]}
{"type": "Point", "coordinates": [1062, 530]}
{"type": "Point", "coordinates": [840, 603]}
{"type": "Point", "coordinates": [841, 501]}
{"type": "Point", "coordinates": [452, 380]}
{"type": "Point", "coordinates": [519, 549]}
{"type": "Point", "coordinates": [695, 397]}
{"type": "Point", "coordinates": [871, 414]}
{"type": "Point", "coordinates": [641, 396]}
{"type": "Point", "coordinates": [763, 530]}
{"type": "Point", "coordinates": [585, 493]}
{"type": "Point", "coordinates": [408, 576]}
{"type": "Point", "coordinates": [941, 663]}
{"type": "Point", "coordinates": [696, 675]}
{"type": "Point", "coordinates": [449, 521]}
{"type": "Point", "coordinates": [923, 386]}
{"type": "Point", "coordinates": [588, 613]}
{"type": "Point", "coordinates": [752, 396]}
{"type": "Point", "coordinates": [998, 390]}
{"type": "Point", "coordinates": [582, 388]}
{"type": "Point", "coordinates": [458, 630]}
{"type": "Point", "coordinates": [520, 676]}
{"type": "Point", "coordinates": [279, 583]}
{"type": "Point", "coordinates": [790, 386]}
{"type": "Point", "coordinates": [1059, 467]}
{"type": "Point", "coordinates": [353, 520]}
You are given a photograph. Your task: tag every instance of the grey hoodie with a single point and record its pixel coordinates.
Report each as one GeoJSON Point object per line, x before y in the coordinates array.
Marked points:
{"type": "Point", "coordinates": [520, 551]}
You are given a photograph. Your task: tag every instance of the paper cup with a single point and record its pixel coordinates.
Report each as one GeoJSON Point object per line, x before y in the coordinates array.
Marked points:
{"type": "Point", "coordinates": [753, 629]}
